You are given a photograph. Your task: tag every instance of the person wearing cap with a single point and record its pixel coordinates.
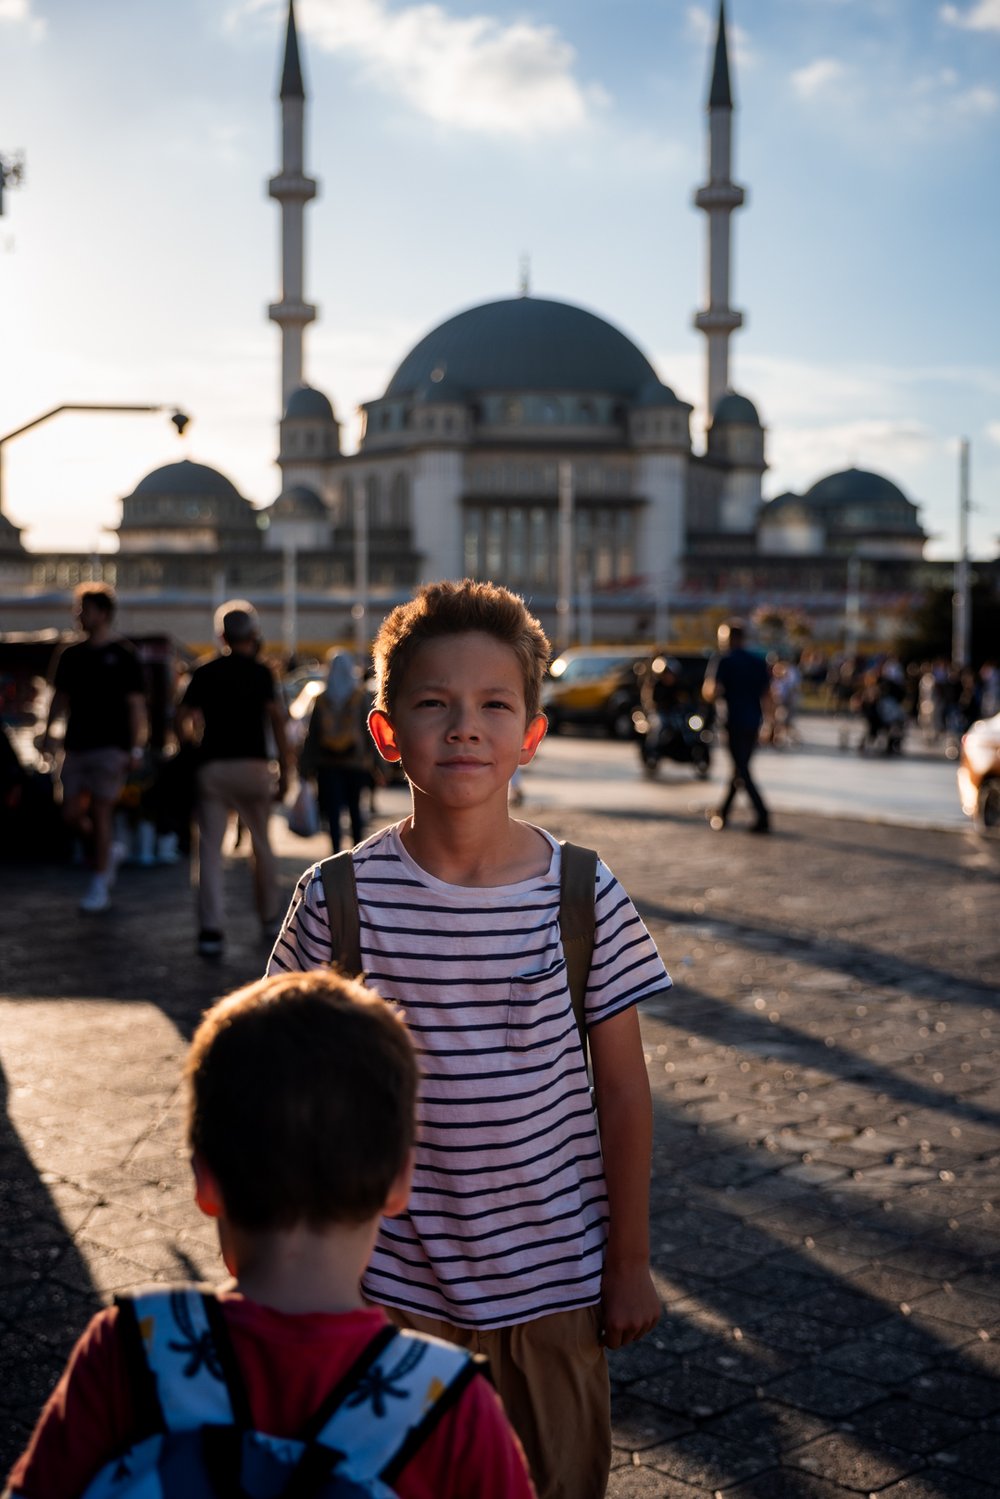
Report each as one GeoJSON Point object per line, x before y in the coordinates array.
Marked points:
{"type": "Point", "coordinates": [231, 702]}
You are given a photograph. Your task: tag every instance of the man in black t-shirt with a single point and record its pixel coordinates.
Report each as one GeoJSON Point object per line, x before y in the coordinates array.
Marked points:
{"type": "Point", "coordinates": [99, 690]}
{"type": "Point", "coordinates": [232, 700]}
{"type": "Point", "coordinates": [743, 682]}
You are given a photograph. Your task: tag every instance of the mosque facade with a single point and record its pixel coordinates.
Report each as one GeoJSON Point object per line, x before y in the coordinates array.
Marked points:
{"type": "Point", "coordinates": [525, 440]}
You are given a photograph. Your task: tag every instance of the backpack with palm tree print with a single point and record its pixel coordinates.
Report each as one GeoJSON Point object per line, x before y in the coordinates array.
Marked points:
{"type": "Point", "coordinates": [190, 1397]}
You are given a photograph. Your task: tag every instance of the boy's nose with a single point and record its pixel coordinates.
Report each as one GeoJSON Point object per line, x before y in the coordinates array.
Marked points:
{"type": "Point", "coordinates": [462, 724]}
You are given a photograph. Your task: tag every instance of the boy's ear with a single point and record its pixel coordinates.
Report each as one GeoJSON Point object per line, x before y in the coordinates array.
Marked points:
{"type": "Point", "coordinates": [399, 1192]}
{"type": "Point", "coordinates": [384, 735]}
{"type": "Point", "coordinates": [534, 734]}
{"type": "Point", "coordinates": [206, 1188]}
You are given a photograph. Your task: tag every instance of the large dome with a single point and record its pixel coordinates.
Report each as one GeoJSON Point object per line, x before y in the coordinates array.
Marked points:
{"type": "Point", "coordinates": [525, 344]}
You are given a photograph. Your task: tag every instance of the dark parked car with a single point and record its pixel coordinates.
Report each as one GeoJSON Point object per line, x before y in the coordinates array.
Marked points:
{"type": "Point", "coordinates": [602, 687]}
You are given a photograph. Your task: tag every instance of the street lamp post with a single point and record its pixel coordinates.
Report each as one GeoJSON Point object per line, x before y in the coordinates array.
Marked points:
{"type": "Point", "coordinates": [178, 418]}
{"type": "Point", "coordinates": [359, 610]}
{"type": "Point", "coordinates": [564, 600]}
{"type": "Point", "coordinates": [960, 618]}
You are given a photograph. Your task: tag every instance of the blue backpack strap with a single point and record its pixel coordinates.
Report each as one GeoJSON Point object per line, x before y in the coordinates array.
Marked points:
{"type": "Point", "coordinates": [187, 1350]}
{"type": "Point", "coordinates": [389, 1402]}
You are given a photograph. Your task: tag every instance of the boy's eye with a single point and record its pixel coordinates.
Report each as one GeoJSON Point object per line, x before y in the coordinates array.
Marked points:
{"type": "Point", "coordinates": [497, 703]}
{"type": "Point", "coordinates": [428, 702]}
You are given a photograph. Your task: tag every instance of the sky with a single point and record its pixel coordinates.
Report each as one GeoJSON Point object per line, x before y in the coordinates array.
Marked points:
{"type": "Point", "coordinates": [452, 137]}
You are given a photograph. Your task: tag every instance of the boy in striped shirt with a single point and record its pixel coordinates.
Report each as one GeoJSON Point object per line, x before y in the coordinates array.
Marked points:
{"type": "Point", "coordinates": [526, 1236]}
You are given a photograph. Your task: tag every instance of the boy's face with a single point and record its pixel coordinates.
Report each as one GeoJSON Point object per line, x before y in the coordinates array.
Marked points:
{"type": "Point", "coordinates": [458, 723]}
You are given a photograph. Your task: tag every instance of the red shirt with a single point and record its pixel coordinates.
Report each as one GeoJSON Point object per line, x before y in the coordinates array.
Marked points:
{"type": "Point", "coordinates": [289, 1365]}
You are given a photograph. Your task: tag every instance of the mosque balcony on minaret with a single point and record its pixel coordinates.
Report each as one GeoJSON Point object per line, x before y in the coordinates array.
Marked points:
{"type": "Point", "coordinates": [292, 186]}
{"type": "Point", "coordinates": [292, 312]}
{"type": "Point", "coordinates": [726, 195]}
{"type": "Point", "coordinates": [718, 320]}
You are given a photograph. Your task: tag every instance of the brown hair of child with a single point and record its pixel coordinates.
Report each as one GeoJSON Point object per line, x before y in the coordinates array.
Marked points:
{"type": "Point", "coordinates": [456, 609]}
{"type": "Point", "coordinates": [301, 1092]}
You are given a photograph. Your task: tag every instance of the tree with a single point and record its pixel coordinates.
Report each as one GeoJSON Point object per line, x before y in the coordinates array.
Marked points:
{"type": "Point", "coordinates": [928, 634]}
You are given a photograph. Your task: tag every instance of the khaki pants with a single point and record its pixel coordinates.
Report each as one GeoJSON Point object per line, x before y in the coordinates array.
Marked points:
{"type": "Point", "coordinates": [247, 788]}
{"type": "Point", "coordinates": [552, 1376]}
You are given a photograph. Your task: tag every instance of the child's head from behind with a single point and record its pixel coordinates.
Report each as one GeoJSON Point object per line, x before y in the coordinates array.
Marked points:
{"type": "Point", "coordinates": [301, 1101]}
{"type": "Point", "coordinates": [441, 609]}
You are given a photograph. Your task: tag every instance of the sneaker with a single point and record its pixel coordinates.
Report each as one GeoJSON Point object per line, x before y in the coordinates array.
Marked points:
{"type": "Point", "coordinates": [96, 897]}
{"type": "Point", "coordinates": [116, 854]}
{"type": "Point", "coordinates": [210, 944]}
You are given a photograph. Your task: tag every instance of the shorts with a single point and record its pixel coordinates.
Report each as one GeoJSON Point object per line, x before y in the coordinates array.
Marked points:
{"type": "Point", "coordinates": [101, 772]}
{"type": "Point", "coordinates": [552, 1377]}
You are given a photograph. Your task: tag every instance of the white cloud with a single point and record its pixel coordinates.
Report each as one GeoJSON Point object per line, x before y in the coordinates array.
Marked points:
{"type": "Point", "coordinates": [818, 77]}
{"type": "Point", "coordinates": [475, 73]}
{"type": "Point", "coordinates": [897, 448]}
{"type": "Point", "coordinates": [701, 27]}
{"type": "Point", "coordinates": [979, 100]}
{"type": "Point", "coordinates": [19, 11]}
{"type": "Point", "coordinates": [984, 16]}
{"type": "Point", "coordinates": [993, 432]}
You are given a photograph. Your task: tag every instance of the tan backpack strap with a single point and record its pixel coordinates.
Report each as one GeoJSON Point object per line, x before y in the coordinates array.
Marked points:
{"type": "Point", "coordinates": [577, 881]}
{"type": "Point", "coordinates": [341, 894]}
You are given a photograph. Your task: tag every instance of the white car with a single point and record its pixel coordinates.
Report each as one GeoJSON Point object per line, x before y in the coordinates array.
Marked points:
{"type": "Point", "coordinates": [979, 775]}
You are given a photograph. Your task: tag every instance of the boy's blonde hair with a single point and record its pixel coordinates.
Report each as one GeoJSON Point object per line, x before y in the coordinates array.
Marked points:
{"type": "Point", "coordinates": [301, 1097]}
{"type": "Point", "coordinates": [449, 608]}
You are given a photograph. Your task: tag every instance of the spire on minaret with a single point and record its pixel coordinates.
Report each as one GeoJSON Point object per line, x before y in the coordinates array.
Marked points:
{"type": "Point", "coordinates": [291, 72]}
{"type": "Point", "coordinates": [720, 95]}
{"type": "Point", "coordinates": [718, 198]}
{"type": "Point", "coordinates": [293, 190]}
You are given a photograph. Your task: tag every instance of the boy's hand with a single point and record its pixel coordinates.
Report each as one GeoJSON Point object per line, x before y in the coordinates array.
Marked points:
{"type": "Point", "coordinates": [630, 1307]}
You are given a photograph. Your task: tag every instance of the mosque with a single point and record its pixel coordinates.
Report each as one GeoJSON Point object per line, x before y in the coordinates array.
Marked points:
{"type": "Point", "coordinates": [525, 440]}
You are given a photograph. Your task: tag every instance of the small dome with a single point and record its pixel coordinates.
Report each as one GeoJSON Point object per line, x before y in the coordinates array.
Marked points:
{"type": "Point", "coordinates": [187, 494]}
{"type": "Point", "coordinates": [186, 479]}
{"type": "Point", "coordinates": [731, 409]}
{"type": "Point", "coordinates": [298, 503]}
{"type": "Point", "coordinates": [308, 402]}
{"type": "Point", "coordinates": [657, 394]}
{"type": "Point", "coordinates": [854, 486]}
{"type": "Point", "coordinates": [526, 344]}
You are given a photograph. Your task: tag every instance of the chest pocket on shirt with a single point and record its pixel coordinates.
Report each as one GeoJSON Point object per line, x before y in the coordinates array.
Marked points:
{"type": "Point", "coordinates": [539, 1010]}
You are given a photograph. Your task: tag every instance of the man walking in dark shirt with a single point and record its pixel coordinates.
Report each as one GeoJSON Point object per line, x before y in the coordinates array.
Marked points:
{"type": "Point", "coordinates": [232, 700]}
{"type": "Point", "coordinates": [99, 690]}
{"type": "Point", "coordinates": [742, 680]}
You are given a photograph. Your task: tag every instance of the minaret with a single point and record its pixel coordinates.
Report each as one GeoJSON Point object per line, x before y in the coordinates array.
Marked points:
{"type": "Point", "coordinates": [293, 190]}
{"type": "Point", "coordinates": [718, 198]}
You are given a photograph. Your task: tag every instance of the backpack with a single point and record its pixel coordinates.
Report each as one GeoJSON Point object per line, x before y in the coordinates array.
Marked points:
{"type": "Point", "coordinates": [577, 878]}
{"type": "Point", "coordinates": [338, 726]}
{"type": "Point", "coordinates": [189, 1394]}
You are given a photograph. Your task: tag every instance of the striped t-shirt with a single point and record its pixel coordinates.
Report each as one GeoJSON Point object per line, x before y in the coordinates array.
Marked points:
{"type": "Point", "coordinates": [508, 1215]}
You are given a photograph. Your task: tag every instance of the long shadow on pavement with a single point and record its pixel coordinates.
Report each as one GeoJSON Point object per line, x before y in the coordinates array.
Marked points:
{"type": "Point", "coordinates": [814, 1343]}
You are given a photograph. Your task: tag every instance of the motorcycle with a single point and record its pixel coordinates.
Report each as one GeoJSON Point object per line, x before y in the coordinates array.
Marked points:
{"type": "Point", "coordinates": [681, 734]}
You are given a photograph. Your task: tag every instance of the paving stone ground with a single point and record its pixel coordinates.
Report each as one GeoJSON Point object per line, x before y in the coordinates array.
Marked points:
{"type": "Point", "coordinates": [826, 1193]}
